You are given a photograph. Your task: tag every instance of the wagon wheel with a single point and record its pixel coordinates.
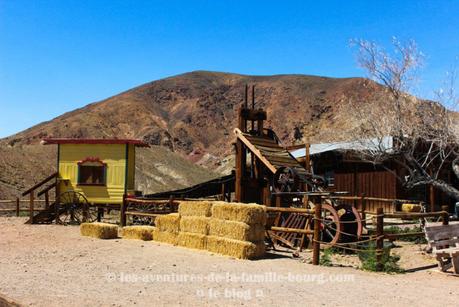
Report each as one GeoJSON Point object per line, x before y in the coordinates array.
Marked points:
{"type": "Point", "coordinates": [285, 180]}
{"type": "Point", "coordinates": [352, 222]}
{"type": "Point", "coordinates": [143, 220]}
{"type": "Point", "coordinates": [331, 227]}
{"type": "Point", "coordinates": [73, 208]}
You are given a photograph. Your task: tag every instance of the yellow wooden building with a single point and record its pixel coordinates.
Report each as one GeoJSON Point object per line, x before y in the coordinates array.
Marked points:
{"type": "Point", "coordinates": [100, 169]}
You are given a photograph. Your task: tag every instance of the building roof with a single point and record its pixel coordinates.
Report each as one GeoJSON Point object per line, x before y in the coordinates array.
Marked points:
{"type": "Point", "coordinates": [376, 144]}
{"type": "Point", "coordinates": [137, 143]}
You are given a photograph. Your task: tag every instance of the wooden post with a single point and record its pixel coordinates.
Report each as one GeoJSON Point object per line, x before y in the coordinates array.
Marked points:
{"type": "Point", "coordinates": [100, 213]}
{"type": "Point", "coordinates": [380, 238]}
{"type": "Point", "coordinates": [31, 209]}
{"type": "Point", "coordinates": [445, 218]}
{"type": "Point", "coordinates": [46, 200]}
{"type": "Point", "coordinates": [363, 207]}
{"type": "Point", "coordinates": [316, 236]}
{"type": "Point", "coordinates": [123, 212]}
{"type": "Point", "coordinates": [17, 206]}
{"type": "Point", "coordinates": [223, 191]}
{"type": "Point", "coordinates": [57, 198]}
{"type": "Point", "coordinates": [240, 171]}
{"type": "Point", "coordinates": [432, 198]}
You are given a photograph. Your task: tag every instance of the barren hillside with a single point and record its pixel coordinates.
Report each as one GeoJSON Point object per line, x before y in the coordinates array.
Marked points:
{"type": "Point", "coordinates": [192, 115]}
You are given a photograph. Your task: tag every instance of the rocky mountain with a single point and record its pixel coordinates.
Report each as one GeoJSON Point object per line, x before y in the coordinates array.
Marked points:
{"type": "Point", "coordinates": [191, 115]}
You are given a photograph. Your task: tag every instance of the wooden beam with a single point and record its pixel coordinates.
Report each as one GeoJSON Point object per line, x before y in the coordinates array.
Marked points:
{"type": "Point", "coordinates": [291, 230]}
{"type": "Point", "coordinates": [254, 150]}
{"type": "Point", "coordinates": [290, 210]}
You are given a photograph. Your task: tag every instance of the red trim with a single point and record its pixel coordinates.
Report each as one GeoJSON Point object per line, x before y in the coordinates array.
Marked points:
{"type": "Point", "coordinates": [92, 159]}
{"type": "Point", "coordinates": [137, 143]}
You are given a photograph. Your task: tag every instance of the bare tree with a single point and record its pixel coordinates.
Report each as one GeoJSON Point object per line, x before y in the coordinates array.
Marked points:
{"type": "Point", "coordinates": [423, 134]}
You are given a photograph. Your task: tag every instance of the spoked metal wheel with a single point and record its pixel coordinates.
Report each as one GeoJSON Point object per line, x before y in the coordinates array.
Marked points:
{"type": "Point", "coordinates": [330, 226]}
{"type": "Point", "coordinates": [73, 208]}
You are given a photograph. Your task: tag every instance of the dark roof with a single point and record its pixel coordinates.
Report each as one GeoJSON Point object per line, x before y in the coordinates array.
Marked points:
{"type": "Point", "coordinates": [137, 143]}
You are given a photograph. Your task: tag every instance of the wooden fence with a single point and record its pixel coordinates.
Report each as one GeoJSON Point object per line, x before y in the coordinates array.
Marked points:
{"type": "Point", "coordinates": [371, 204]}
{"type": "Point", "coordinates": [15, 205]}
{"type": "Point", "coordinates": [381, 235]}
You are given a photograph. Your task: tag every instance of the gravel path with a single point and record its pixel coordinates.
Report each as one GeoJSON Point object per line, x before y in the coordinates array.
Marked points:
{"type": "Point", "coordinates": [49, 265]}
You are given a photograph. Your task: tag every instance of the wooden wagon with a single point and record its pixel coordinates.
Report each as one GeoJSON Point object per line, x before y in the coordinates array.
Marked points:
{"type": "Point", "coordinates": [91, 174]}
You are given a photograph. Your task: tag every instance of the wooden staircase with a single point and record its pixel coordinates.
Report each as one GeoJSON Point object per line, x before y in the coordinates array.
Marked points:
{"type": "Point", "coordinates": [48, 215]}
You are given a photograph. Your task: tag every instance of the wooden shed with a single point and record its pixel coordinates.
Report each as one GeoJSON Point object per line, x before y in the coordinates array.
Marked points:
{"type": "Point", "coordinates": [344, 170]}
{"type": "Point", "coordinates": [100, 169]}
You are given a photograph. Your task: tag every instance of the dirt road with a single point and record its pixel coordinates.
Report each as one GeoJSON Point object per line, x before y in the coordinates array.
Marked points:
{"type": "Point", "coordinates": [49, 265]}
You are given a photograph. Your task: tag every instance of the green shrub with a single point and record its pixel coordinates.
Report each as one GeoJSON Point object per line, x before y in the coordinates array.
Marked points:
{"type": "Point", "coordinates": [389, 262]}
{"type": "Point", "coordinates": [325, 259]}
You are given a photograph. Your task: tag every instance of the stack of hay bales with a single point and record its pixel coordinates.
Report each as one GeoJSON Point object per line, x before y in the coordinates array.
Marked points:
{"type": "Point", "coordinates": [167, 228]}
{"type": "Point", "coordinates": [99, 230]}
{"type": "Point", "coordinates": [232, 229]}
{"type": "Point", "coordinates": [144, 233]}
{"type": "Point", "coordinates": [237, 230]}
{"type": "Point", "coordinates": [194, 224]}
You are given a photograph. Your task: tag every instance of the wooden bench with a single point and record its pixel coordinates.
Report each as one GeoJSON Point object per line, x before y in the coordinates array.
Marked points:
{"type": "Point", "coordinates": [444, 241]}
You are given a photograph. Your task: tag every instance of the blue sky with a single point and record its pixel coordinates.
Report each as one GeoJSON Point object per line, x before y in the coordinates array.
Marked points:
{"type": "Point", "coordinates": [56, 56]}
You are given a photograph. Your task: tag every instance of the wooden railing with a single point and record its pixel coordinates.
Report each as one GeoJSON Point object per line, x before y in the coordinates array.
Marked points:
{"type": "Point", "coordinates": [15, 205]}
{"type": "Point", "coordinates": [130, 207]}
{"type": "Point", "coordinates": [31, 193]}
{"type": "Point", "coordinates": [368, 204]}
{"type": "Point", "coordinates": [381, 235]}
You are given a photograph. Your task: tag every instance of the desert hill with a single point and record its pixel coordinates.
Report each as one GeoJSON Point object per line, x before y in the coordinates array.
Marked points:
{"type": "Point", "coordinates": [192, 115]}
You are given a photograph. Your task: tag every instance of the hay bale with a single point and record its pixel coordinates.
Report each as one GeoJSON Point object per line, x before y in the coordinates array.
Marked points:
{"type": "Point", "coordinates": [236, 230]}
{"type": "Point", "coordinates": [195, 224]}
{"type": "Point", "coordinates": [195, 208]}
{"type": "Point", "coordinates": [245, 213]}
{"type": "Point", "coordinates": [192, 240]}
{"type": "Point", "coordinates": [169, 222]}
{"type": "Point", "coordinates": [165, 236]}
{"type": "Point", "coordinates": [411, 208]}
{"type": "Point", "coordinates": [144, 233]}
{"type": "Point", "coordinates": [235, 248]}
{"type": "Point", "coordinates": [99, 230]}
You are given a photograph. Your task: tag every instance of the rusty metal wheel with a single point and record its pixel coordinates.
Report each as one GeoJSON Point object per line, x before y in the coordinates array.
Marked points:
{"type": "Point", "coordinates": [73, 208]}
{"type": "Point", "coordinates": [352, 226]}
{"type": "Point", "coordinates": [331, 226]}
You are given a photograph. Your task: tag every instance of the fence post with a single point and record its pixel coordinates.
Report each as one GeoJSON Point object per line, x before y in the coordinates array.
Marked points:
{"type": "Point", "coordinates": [17, 206]}
{"type": "Point", "coordinates": [363, 207]}
{"type": "Point", "coordinates": [316, 236]}
{"type": "Point", "coordinates": [379, 238]}
{"type": "Point", "coordinates": [123, 212]}
{"type": "Point", "coordinates": [445, 218]}
{"type": "Point", "coordinates": [31, 209]}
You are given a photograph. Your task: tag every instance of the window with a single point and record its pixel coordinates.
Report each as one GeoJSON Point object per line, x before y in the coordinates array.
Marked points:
{"type": "Point", "coordinates": [91, 171]}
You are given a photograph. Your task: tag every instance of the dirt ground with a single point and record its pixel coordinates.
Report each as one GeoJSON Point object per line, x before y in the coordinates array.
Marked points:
{"type": "Point", "coordinates": [49, 265]}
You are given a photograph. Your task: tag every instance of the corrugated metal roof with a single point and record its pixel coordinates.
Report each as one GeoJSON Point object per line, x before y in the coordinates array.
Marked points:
{"type": "Point", "coordinates": [377, 144]}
